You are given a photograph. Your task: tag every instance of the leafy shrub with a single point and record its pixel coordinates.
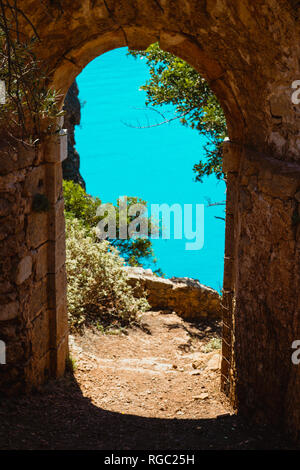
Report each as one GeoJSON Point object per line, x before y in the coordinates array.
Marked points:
{"type": "Point", "coordinates": [80, 205]}
{"type": "Point", "coordinates": [214, 343]}
{"type": "Point", "coordinates": [97, 284]}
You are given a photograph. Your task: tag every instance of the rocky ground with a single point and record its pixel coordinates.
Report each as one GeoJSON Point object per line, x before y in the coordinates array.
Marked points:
{"type": "Point", "coordinates": [152, 387]}
{"type": "Point", "coordinates": [158, 371]}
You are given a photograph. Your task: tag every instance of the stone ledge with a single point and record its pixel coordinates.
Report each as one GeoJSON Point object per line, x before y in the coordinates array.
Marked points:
{"type": "Point", "coordinates": [185, 296]}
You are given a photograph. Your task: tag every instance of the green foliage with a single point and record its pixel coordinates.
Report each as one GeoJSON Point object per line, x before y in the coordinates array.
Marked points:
{"type": "Point", "coordinates": [98, 291]}
{"type": "Point", "coordinates": [212, 345]}
{"type": "Point", "coordinates": [135, 251]}
{"type": "Point", "coordinates": [80, 205]}
{"type": "Point", "coordinates": [173, 81]}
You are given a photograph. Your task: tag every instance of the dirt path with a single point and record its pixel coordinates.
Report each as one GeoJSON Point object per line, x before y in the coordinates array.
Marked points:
{"type": "Point", "coordinates": [155, 388]}
{"type": "Point", "coordinates": [158, 372]}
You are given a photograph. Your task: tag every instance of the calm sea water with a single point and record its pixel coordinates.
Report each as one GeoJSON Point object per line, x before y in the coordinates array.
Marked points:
{"type": "Point", "coordinates": [154, 164]}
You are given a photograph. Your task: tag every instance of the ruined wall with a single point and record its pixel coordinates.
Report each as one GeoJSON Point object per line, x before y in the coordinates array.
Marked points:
{"type": "Point", "coordinates": [263, 268]}
{"type": "Point", "coordinates": [183, 295]}
{"type": "Point", "coordinates": [32, 275]}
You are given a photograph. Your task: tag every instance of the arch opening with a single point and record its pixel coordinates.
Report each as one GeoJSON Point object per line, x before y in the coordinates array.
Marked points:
{"type": "Point", "coordinates": [155, 165]}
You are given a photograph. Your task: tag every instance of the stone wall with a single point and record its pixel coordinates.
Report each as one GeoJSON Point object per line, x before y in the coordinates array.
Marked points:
{"type": "Point", "coordinates": [185, 296]}
{"type": "Point", "coordinates": [32, 275]}
{"type": "Point", "coordinates": [263, 249]}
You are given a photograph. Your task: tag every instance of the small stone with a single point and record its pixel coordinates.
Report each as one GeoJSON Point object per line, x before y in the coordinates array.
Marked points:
{"type": "Point", "coordinates": [196, 365]}
{"type": "Point", "coordinates": [203, 396]}
{"type": "Point", "coordinates": [214, 363]}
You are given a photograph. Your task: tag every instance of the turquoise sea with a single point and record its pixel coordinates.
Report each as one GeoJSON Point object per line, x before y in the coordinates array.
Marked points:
{"type": "Point", "coordinates": [156, 164]}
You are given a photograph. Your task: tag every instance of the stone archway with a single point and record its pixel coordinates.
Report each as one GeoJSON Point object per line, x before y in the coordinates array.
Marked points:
{"type": "Point", "coordinates": [249, 55]}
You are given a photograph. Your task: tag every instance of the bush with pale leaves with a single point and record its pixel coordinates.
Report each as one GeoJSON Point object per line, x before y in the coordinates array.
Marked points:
{"type": "Point", "coordinates": [98, 291]}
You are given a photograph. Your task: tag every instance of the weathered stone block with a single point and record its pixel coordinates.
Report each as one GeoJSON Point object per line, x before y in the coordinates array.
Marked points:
{"type": "Point", "coordinates": [59, 323]}
{"type": "Point", "coordinates": [9, 311]}
{"type": "Point", "coordinates": [15, 159]}
{"type": "Point", "coordinates": [38, 297]}
{"type": "Point", "coordinates": [52, 149]}
{"type": "Point", "coordinates": [35, 181]}
{"type": "Point", "coordinates": [9, 182]}
{"type": "Point", "coordinates": [14, 246]}
{"type": "Point", "coordinates": [61, 356]}
{"type": "Point", "coordinates": [40, 334]}
{"type": "Point", "coordinates": [8, 331]}
{"type": "Point", "coordinates": [5, 207]}
{"type": "Point", "coordinates": [37, 229]}
{"type": "Point", "coordinates": [11, 224]}
{"type": "Point", "coordinates": [231, 157]}
{"type": "Point", "coordinates": [57, 287]}
{"type": "Point", "coordinates": [24, 270]}
{"type": "Point", "coordinates": [280, 104]}
{"type": "Point", "coordinates": [5, 287]}
{"type": "Point", "coordinates": [245, 199]}
{"type": "Point", "coordinates": [14, 353]}
{"type": "Point", "coordinates": [57, 220]}
{"type": "Point", "coordinates": [37, 371]}
{"type": "Point", "coordinates": [57, 254]}
{"type": "Point", "coordinates": [278, 185]}
{"type": "Point", "coordinates": [54, 181]}
{"type": "Point", "coordinates": [40, 261]}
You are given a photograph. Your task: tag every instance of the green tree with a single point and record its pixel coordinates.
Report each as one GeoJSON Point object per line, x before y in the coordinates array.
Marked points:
{"type": "Point", "coordinates": [80, 205]}
{"type": "Point", "coordinates": [135, 251]}
{"type": "Point", "coordinates": [173, 81]}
